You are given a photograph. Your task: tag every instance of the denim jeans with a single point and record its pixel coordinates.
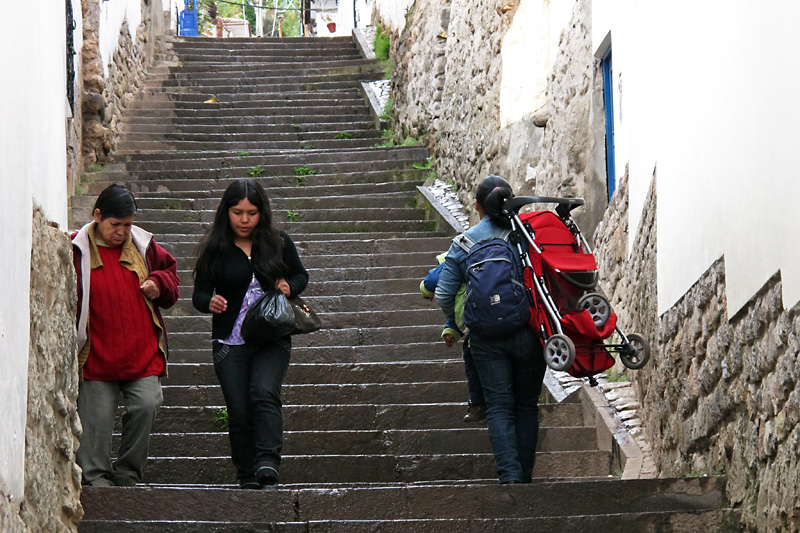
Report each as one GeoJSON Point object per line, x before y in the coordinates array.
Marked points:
{"type": "Point", "coordinates": [251, 379]}
{"type": "Point", "coordinates": [473, 380]}
{"type": "Point", "coordinates": [511, 370]}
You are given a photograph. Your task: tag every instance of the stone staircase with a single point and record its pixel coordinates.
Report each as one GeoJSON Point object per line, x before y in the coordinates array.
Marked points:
{"type": "Point", "coordinates": [373, 403]}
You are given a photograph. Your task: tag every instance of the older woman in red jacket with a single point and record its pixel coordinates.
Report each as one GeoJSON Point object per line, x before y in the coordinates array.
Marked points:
{"type": "Point", "coordinates": [124, 277]}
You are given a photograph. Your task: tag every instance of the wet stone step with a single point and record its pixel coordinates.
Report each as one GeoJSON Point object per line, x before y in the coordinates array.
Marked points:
{"type": "Point", "coordinates": [393, 393]}
{"type": "Point", "coordinates": [201, 419]}
{"type": "Point", "coordinates": [467, 439]}
{"type": "Point", "coordinates": [351, 227]}
{"type": "Point", "coordinates": [284, 216]}
{"type": "Point", "coordinates": [376, 468]}
{"type": "Point", "coordinates": [335, 373]}
{"type": "Point", "coordinates": [428, 349]}
{"type": "Point", "coordinates": [408, 502]}
{"type": "Point", "coordinates": [328, 337]}
{"type": "Point", "coordinates": [720, 520]}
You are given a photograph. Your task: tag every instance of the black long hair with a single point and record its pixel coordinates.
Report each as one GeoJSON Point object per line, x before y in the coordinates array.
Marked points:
{"type": "Point", "coordinates": [267, 252]}
{"type": "Point", "coordinates": [115, 201]}
{"type": "Point", "coordinates": [492, 192]}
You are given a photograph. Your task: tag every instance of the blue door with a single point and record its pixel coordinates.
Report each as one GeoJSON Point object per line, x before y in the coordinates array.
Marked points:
{"type": "Point", "coordinates": [608, 100]}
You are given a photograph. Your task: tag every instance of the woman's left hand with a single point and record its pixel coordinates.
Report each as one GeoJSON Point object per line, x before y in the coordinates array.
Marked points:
{"type": "Point", "coordinates": [284, 287]}
{"type": "Point", "coordinates": [150, 289]}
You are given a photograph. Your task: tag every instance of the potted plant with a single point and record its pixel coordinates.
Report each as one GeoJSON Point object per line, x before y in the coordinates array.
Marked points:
{"type": "Point", "coordinates": [330, 23]}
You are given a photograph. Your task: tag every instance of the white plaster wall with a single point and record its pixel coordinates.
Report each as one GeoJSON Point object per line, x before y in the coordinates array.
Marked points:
{"type": "Point", "coordinates": [393, 13]}
{"type": "Point", "coordinates": [707, 93]}
{"type": "Point", "coordinates": [529, 49]}
{"type": "Point", "coordinates": [32, 169]}
{"type": "Point", "coordinates": [112, 15]}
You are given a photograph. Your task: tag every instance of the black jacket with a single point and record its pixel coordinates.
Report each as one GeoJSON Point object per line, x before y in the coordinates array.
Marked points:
{"type": "Point", "coordinates": [231, 278]}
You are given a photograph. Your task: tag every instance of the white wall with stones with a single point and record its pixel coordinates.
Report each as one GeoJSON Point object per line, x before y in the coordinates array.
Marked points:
{"type": "Point", "coordinates": [707, 96]}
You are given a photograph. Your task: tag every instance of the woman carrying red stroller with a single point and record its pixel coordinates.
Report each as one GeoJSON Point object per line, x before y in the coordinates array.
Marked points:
{"type": "Point", "coordinates": [511, 366]}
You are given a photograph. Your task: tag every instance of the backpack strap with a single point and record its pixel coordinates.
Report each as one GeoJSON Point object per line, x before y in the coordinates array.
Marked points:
{"type": "Point", "coordinates": [464, 242]}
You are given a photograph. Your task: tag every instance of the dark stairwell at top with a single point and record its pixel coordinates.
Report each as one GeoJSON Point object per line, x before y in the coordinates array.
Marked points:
{"type": "Point", "coordinates": [374, 402]}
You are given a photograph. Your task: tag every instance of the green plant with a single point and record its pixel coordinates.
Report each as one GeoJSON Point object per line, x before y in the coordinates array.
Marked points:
{"type": "Point", "coordinates": [304, 171]}
{"type": "Point", "coordinates": [382, 43]}
{"type": "Point", "coordinates": [256, 171]}
{"type": "Point", "coordinates": [345, 135]}
{"type": "Point", "coordinates": [243, 154]}
{"type": "Point", "coordinates": [221, 418]}
{"type": "Point", "coordinates": [307, 147]}
{"type": "Point", "coordinates": [95, 167]}
{"type": "Point", "coordinates": [292, 215]}
{"type": "Point", "coordinates": [410, 141]}
{"type": "Point", "coordinates": [387, 109]}
{"type": "Point", "coordinates": [300, 181]}
{"type": "Point", "coordinates": [614, 376]}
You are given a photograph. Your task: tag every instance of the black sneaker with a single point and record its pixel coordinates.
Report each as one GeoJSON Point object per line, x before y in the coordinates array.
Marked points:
{"type": "Point", "coordinates": [267, 476]}
{"type": "Point", "coordinates": [475, 413]}
{"type": "Point", "coordinates": [250, 484]}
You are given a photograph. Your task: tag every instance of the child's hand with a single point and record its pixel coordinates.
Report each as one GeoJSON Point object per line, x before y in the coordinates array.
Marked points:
{"type": "Point", "coordinates": [449, 340]}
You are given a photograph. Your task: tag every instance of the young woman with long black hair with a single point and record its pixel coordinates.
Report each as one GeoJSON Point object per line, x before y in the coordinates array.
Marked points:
{"type": "Point", "coordinates": [242, 256]}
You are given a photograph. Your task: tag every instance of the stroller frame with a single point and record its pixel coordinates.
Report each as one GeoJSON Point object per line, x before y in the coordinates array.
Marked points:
{"type": "Point", "coordinates": [633, 349]}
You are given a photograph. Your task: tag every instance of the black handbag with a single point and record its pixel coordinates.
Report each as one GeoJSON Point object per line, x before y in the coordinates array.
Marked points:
{"type": "Point", "coordinates": [269, 318]}
{"type": "Point", "coordinates": [306, 320]}
{"type": "Point", "coordinates": [273, 316]}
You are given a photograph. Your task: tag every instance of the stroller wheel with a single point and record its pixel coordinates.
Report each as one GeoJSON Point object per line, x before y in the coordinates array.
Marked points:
{"type": "Point", "coordinates": [559, 352]}
{"type": "Point", "coordinates": [639, 355]}
{"type": "Point", "coordinates": [598, 307]}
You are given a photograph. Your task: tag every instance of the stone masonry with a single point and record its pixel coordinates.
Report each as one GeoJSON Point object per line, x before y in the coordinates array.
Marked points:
{"type": "Point", "coordinates": [52, 478]}
{"type": "Point", "coordinates": [105, 97]}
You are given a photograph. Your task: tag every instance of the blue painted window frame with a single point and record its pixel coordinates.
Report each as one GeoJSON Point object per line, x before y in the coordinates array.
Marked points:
{"type": "Point", "coordinates": [608, 101]}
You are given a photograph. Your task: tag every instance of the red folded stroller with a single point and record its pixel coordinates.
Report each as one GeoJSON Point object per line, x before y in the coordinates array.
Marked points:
{"type": "Point", "coordinates": [572, 318]}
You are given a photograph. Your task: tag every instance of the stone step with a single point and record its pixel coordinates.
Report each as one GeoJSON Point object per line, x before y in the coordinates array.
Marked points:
{"type": "Point", "coordinates": [395, 200]}
{"type": "Point", "coordinates": [438, 502]}
{"type": "Point", "coordinates": [286, 186]}
{"type": "Point", "coordinates": [249, 110]}
{"type": "Point", "coordinates": [342, 393]}
{"type": "Point", "coordinates": [189, 58]}
{"type": "Point", "coordinates": [382, 468]}
{"type": "Point", "coordinates": [334, 226]}
{"type": "Point", "coordinates": [180, 419]}
{"type": "Point", "coordinates": [467, 439]}
{"type": "Point", "coordinates": [196, 374]}
{"type": "Point", "coordinates": [719, 520]}
{"type": "Point", "coordinates": [427, 349]}
{"type": "Point", "coordinates": [286, 162]}
{"type": "Point", "coordinates": [276, 87]}
{"type": "Point", "coordinates": [292, 176]}
{"type": "Point", "coordinates": [246, 145]}
{"type": "Point", "coordinates": [234, 97]}
{"type": "Point", "coordinates": [337, 131]}
{"type": "Point", "coordinates": [299, 122]}
{"type": "Point", "coordinates": [172, 69]}
{"type": "Point", "coordinates": [147, 107]}
{"type": "Point", "coordinates": [329, 337]}
{"type": "Point", "coordinates": [413, 274]}
{"type": "Point", "coordinates": [296, 69]}
{"type": "Point", "coordinates": [331, 320]}
{"type": "Point", "coordinates": [289, 218]}
{"type": "Point", "coordinates": [375, 303]}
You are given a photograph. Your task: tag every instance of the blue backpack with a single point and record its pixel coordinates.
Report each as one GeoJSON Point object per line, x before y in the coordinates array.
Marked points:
{"type": "Point", "coordinates": [496, 302]}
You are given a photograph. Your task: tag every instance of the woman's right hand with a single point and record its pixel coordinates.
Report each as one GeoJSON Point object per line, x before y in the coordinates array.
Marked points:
{"type": "Point", "coordinates": [218, 304]}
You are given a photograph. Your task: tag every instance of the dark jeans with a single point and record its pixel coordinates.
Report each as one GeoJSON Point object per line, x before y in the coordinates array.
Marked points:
{"type": "Point", "coordinates": [511, 370]}
{"type": "Point", "coordinates": [473, 380]}
{"type": "Point", "coordinates": [251, 379]}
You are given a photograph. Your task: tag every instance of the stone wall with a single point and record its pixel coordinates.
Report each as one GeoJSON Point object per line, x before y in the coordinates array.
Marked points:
{"type": "Point", "coordinates": [106, 97]}
{"type": "Point", "coordinates": [720, 394]}
{"type": "Point", "coordinates": [448, 68]}
{"type": "Point", "coordinates": [52, 478]}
